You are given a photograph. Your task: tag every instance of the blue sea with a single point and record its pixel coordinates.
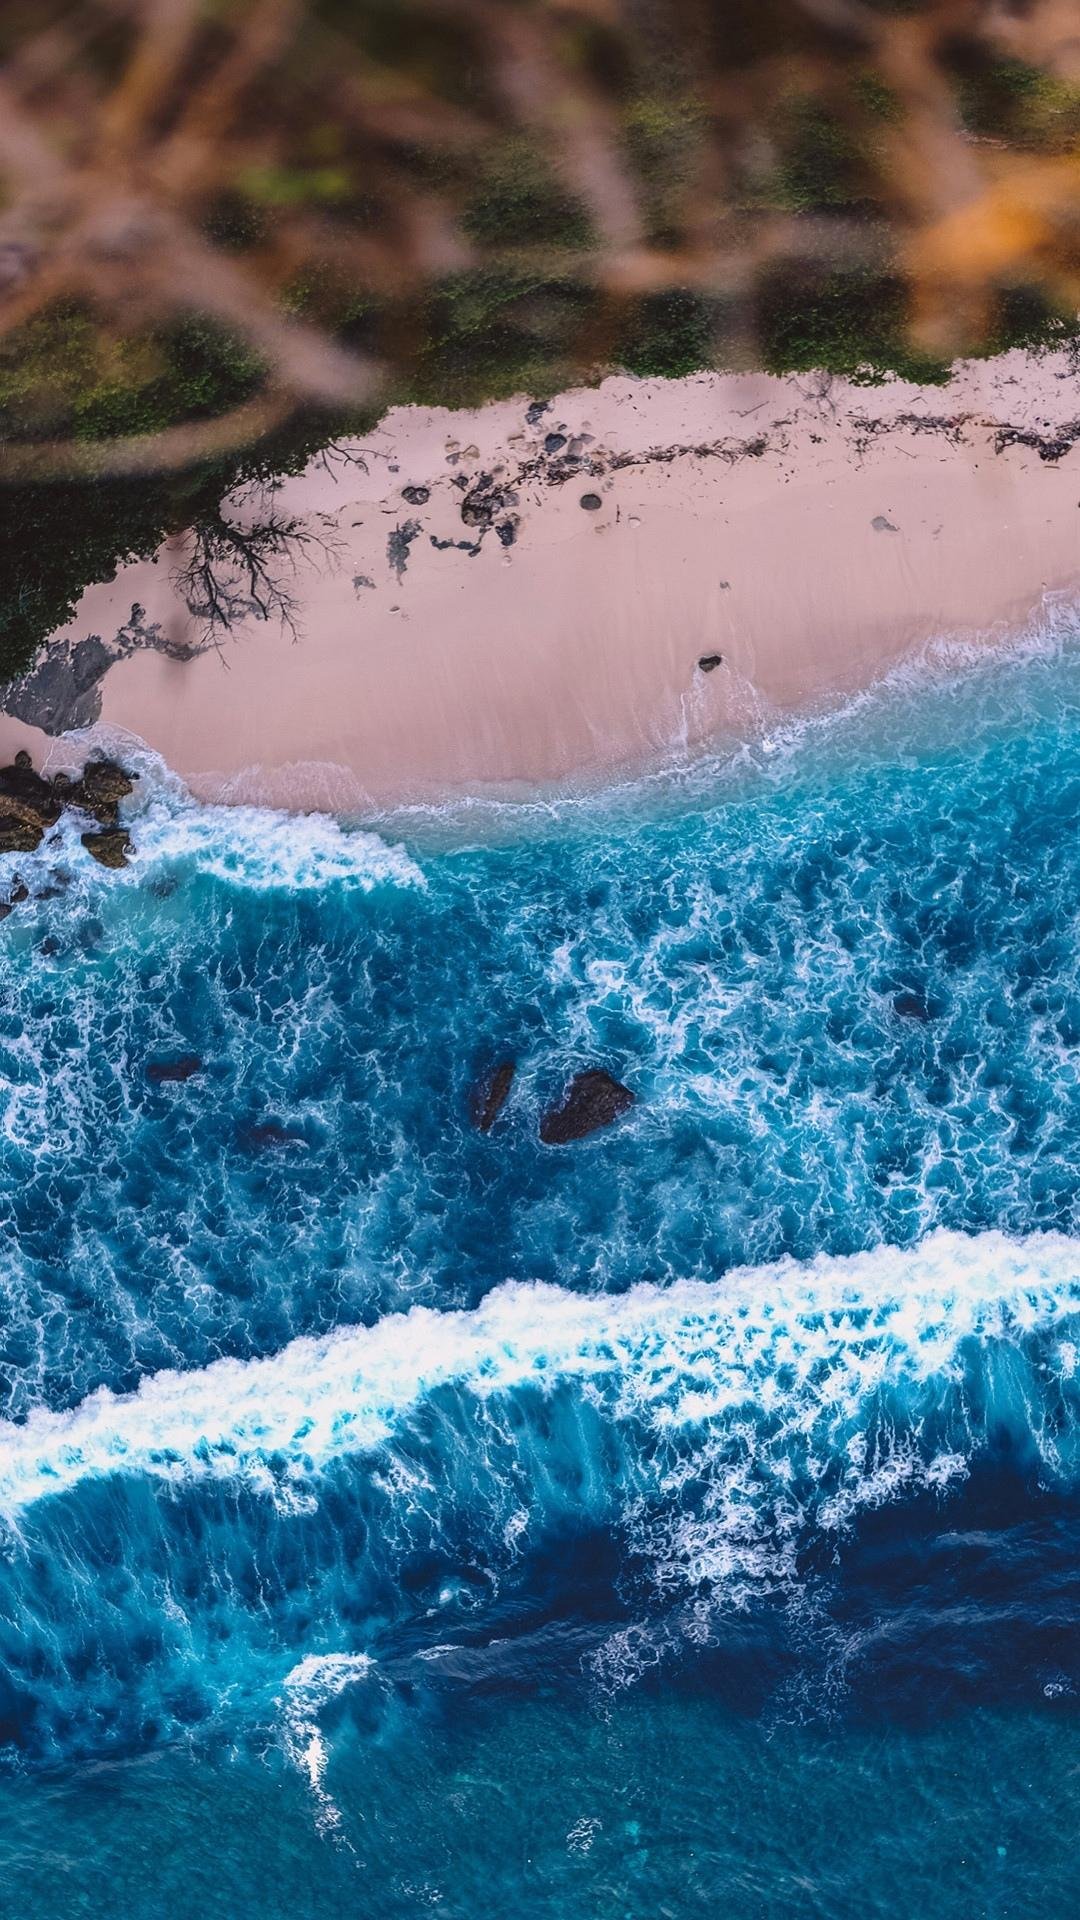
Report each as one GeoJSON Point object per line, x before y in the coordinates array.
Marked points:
{"type": "Point", "coordinates": [398, 1519]}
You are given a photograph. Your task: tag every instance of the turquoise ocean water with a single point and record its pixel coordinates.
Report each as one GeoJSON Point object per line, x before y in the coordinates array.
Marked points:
{"type": "Point", "coordinates": [400, 1519]}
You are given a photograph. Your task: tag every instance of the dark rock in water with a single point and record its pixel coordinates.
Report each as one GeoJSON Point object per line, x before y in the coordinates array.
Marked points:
{"type": "Point", "coordinates": [182, 1069]}
{"type": "Point", "coordinates": [109, 847]}
{"type": "Point", "coordinates": [30, 804]}
{"type": "Point", "coordinates": [488, 1097]}
{"type": "Point", "coordinates": [416, 496]}
{"type": "Point", "coordinates": [19, 892]}
{"type": "Point", "coordinates": [99, 790]}
{"type": "Point", "coordinates": [593, 1099]}
{"type": "Point", "coordinates": [591, 502]}
{"type": "Point", "coordinates": [911, 1006]}
{"type": "Point", "coordinates": [507, 531]}
{"type": "Point", "coordinates": [554, 442]}
{"type": "Point", "coordinates": [267, 1133]}
{"type": "Point", "coordinates": [709, 662]}
{"type": "Point", "coordinates": [536, 410]}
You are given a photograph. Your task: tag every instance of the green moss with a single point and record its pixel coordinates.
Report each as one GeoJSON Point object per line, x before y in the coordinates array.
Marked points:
{"type": "Point", "coordinates": [668, 334]}
{"type": "Point", "coordinates": [63, 376]}
{"type": "Point", "coordinates": [823, 165]}
{"type": "Point", "coordinates": [1022, 316]}
{"type": "Point", "coordinates": [877, 98]}
{"type": "Point", "coordinates": [852, 323]}
{"type": "Point", "coordinates": [279, 186]}
{"type": "Point", "coordinates": [517, 202]}
{"type": "Point", "coordinates": [663, 136]}
{"type": "Point", "coordinates": [1009, 100]}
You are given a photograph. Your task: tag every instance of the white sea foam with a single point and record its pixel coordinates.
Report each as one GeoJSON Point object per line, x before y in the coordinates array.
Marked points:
{"type": "Point", "coordinates": [254, 847]}
{"type": "Point", "coordinates": [803, 1349]}
{"type": "Point", "coordinates": [306, 1689]}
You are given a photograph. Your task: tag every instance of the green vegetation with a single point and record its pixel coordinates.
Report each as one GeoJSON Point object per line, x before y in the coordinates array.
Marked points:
{"type": "Point", "coordinates": [852, 323]}
{"type": "Point", "coordinates": [1017, 104]}
{"type": "Point", "coordinates": [669, 334]}
{"type": "Point", "coordinates": [824, 165]}
{"type": "Point", "coordinates": [60, 537]}
{"type": "Point", "coordinates": [63, 377]}
{"type": "Point", "coordinates": [517, 201]}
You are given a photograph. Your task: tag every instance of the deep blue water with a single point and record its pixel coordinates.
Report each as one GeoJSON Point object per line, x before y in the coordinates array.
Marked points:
{"type": "Point", "coordinates": [401, 1518]}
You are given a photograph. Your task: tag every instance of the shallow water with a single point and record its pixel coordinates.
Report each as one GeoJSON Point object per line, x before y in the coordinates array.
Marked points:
{"type": "Point", "coordinates": [685, 1517]}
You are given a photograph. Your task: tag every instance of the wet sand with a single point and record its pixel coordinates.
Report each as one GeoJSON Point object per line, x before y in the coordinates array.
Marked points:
{"type": "Point", "coordinates": [810, 532]}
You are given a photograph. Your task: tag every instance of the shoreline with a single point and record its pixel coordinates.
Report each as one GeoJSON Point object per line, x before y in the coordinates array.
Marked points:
{"type": "Point", "coordinates": [466, 627]}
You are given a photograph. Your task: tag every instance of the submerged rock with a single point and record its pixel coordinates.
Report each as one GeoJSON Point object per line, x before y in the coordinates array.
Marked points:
{"type": "Point", "coordinates": [182, 1069]}
{"type": "Point", "coordinates": [109, 847]}
{"type": "Point", "coordinates": [489, 1095]}
{"type": "Point", "coordinates": [911, 1006]}
{"type": "Point", "coordinates": [268, 1133]}
{"type": "Point", "coordinates": [593, 1099]}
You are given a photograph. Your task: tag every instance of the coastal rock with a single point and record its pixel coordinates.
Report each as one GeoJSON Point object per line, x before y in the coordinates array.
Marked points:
{"type": "Point", "coordinates": [27, 796]}
{"type": "Point", "coordinates": [709, 662]}
{"type": "Point", "coordinates": [19, 892]}
{"type": "Point", "coordinates": [30, 804]}
{"type": "Point", "coordinates": [109, 847]}
{"type": "Point", "coordinates": [19, 833]}
{"type": "Point", "coordinates": [591, 502]}
{"type": "Point", "coordinates": [489, 1095]}
{"type": "Point", "coordinates": [99, 790]}
{"type": "Point", "coordinates": [592, 1100]}
{"type": "Point", "coordinates": [184, 1068]}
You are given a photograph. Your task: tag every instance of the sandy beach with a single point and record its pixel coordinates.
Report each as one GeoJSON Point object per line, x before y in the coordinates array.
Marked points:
{"type": "Point", "coordinates": [520, 596]}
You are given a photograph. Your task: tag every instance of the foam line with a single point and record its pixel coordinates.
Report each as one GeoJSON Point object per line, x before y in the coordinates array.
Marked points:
{"type": "Point", "coordinates": [798, 1347]}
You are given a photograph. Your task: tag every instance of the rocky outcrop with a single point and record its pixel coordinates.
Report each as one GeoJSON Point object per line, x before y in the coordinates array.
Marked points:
{"type": "Point", "coordinates": [489, 1095]}
{"type": "Point", "coordinates": [99, 790]}
{"type": "Point", "coordinates": [31, 804]}
{"type": "Point", "coordinates": [592, 1100]}
{"type": "Point", "coordinates": [109, 847]}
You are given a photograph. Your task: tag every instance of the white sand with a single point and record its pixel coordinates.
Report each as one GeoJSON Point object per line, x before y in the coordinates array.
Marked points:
{"type": "Point", "coordinates": [811, 566]}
